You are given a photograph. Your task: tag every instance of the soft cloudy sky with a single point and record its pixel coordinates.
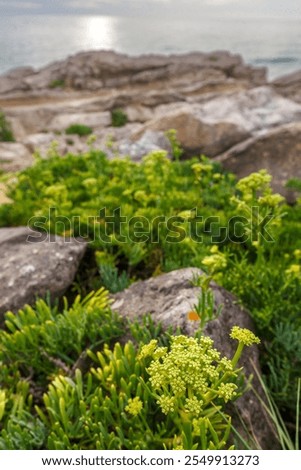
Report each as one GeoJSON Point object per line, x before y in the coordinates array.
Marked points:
{"type": "Point", "coordinates": [175, 8]}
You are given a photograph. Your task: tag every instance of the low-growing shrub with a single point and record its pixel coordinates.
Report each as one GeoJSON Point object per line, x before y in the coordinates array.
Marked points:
{"type": "Point", "coordinates": [6, 133]}
{"type": "Point", "coordinates": [79, 129]}
{"type": "Point", "coordinates": [118, 117]}
{"type": "Point", "coordinates": [58, 83]}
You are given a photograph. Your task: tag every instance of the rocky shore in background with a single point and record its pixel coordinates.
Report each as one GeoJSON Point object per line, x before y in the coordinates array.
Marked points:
{"type": "Point", "coordinates": [218, 105]}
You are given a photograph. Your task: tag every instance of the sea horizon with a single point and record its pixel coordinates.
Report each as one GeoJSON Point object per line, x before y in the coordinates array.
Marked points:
{"type": "Point", "coordinates": [29, 40]}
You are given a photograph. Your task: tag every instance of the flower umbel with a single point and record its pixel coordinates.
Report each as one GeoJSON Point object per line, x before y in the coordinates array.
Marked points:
{"type": "Point", "coordinates": [243, 335]}
{"type": "Point", "coordinates": [134, 406]}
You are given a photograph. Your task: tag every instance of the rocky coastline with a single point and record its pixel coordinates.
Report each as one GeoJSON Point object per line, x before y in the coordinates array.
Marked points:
{"type": "Point", "coordinates": [218, 105]}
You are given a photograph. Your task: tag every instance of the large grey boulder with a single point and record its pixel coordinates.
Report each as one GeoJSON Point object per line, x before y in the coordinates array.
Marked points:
{"type": "Point", "coordinates": [253, 110]}
{"type": "Point", "coordinates": [169, 298]}
{"type": "Point", "coordinates": [33, 264]}
{"type": "Point", "coordinates": [150, 141]}
{"type": "Point", "coordinates": [194, 133]}
{"type": "Point", "coordinates": [214, 126]}
{"type": "Point", "coordinates": [278, 151]}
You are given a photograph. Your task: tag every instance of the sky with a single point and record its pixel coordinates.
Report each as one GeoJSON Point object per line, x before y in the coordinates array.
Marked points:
{"type": "Point", "coordinates": [171, 8]}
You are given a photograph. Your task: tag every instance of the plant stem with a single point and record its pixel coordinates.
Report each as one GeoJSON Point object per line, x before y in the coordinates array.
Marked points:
{"type": "Point", "coordinates": [237, 354]}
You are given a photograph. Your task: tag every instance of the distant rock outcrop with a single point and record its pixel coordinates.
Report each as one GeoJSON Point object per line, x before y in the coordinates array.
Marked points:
{"type": "Point", "coordinates": [96, 70]}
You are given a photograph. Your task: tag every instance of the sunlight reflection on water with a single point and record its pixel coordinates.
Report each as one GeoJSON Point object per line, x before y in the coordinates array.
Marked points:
{"type": "Point", "coordinates": [39, 40]}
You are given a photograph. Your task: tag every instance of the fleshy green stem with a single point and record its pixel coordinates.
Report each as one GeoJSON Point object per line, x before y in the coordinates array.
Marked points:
{"type": "Point", "coordinates": [237, 354]}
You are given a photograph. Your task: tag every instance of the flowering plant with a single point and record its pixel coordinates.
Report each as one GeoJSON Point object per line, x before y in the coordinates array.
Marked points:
{"type": "Point", "coordinates": [192, 383]}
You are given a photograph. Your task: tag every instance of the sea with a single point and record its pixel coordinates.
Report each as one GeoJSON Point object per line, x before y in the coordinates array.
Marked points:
{"type": "Point", "coordinates": [37, 40]}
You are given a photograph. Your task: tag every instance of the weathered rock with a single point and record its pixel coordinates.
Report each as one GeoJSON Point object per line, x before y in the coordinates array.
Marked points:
{"type": "Point", "coordinates": [14, 156]}
{"type": "Point", "coordinates": [98, 69]}
{"type": "Point", "coordinates": [194, 134]}
{"type": "Point", "coordinates": [93, 120]}
{"type": "Point", "coordinates": [33, 264]}
{"type": "Point", "coordinates": [218, 124]}
{"type": "Point", "coordinates": [289, 86]}
{"type": "Point", "coordinates": [150, 141]}
{"type": "Point", "coordinates": [253, 110]}
{"type": "Point", "coordinates": [14, 79]}
{"type": "Point", "coordinates": [169, 298]}
{"type": "Point", "coordinates": [138, 113]}
{"type": "Point", "coordinates": [43, 142]}
{"type": "Point", "coordinates": [278, 151]}
{"type": "Point", "coordinates": [33, 118]}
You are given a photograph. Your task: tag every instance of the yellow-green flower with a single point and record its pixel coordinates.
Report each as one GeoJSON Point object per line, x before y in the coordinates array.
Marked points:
{"type": "Point", "coordinates": [293, 270]}
{"type": "Point", "coordinates": [148, 349]}
{"type": "Point", "coordinates": [167, 404]}
{"type": "Point", "coordinates": [244, 336]}
{"type": "Point", "coordinates": [227, 391]}
{"type": "Point", "coordinates": [134, 406]}
{"type": "Point", "coordinates": [194, 405]}
{"type": "Point", "coordinates": [297, 254]}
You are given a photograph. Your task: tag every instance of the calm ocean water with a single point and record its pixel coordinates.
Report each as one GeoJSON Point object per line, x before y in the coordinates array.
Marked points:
{"type": "Point", "coordinates": [39, 40]}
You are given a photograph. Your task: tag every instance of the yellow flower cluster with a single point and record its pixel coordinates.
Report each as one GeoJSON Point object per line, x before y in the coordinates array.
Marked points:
{"type": "Point", "coordinates": [186, 374]}
{"type": "Point", "coordinates": [134, 406]}
{"type": "Point", "coordinates": [227, 391]}
{"type": "Point", "coordinates": [244, 336]}
{"type": "Point", "coordinates": [294, 270]}
{"type": "Point", "coordinates": [216, 261]}
{"type": "Point", "coordinates": [194, 405]}
{"type": "Point", "coordinates": [167, 404]}
{"type": "Point", "coordinates": [259, 181]}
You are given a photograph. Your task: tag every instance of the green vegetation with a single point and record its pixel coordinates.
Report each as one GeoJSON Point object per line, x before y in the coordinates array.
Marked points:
{"type": "Point", "coordinates": [59, 83]}
{"type": "Point", "coordinates": [64, 387]}
{"type": "Point", "coordinates": [142, 220]}
{"type": "Point", "coordinates": [6, 134]}
{"type": "Point", "coordinates": [79, 129]}
{"type": "Point", "coordinates": [119, 118]}
{"type": "Point", "coordinates": [176, 149]}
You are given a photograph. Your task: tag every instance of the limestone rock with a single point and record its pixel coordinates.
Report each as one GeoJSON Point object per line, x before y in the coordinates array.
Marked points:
{"type": "Point", "coordinates": [289, 86]}
{"type": "Point", "coordinates": [194, 134]}
{"type": "Point", "coordinates": [33, 264]}
{"type": "Point", "coordinates": [106, 69]}
{"type": "Point", "coordinates": [169, 298]}
{"type": "Point", "coordinates": [150, 141]}
{"type": "Point", "coordinates": [14, 156]}
{"type": "Point", "coordinates": [253, 110]}
{"type": "Point", "coordinates": [93, 120]}
{"type": "Point", "coordinates": [13, 80]}
{"type": "Point", "coordinates": [278, 151]}
{"type": "Point", "coordinates": [43, 142]}
{"type": "Point", "coordinates": [214, 126]}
